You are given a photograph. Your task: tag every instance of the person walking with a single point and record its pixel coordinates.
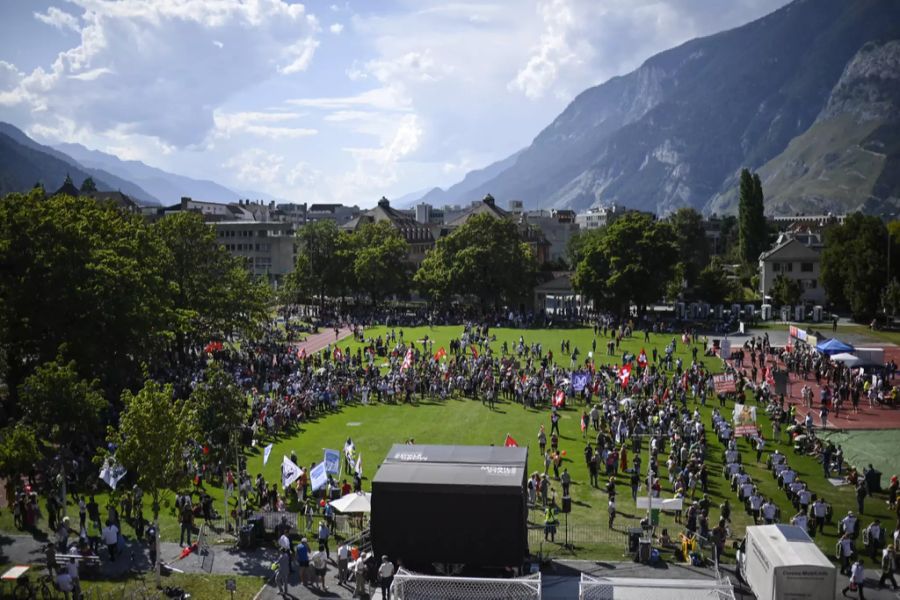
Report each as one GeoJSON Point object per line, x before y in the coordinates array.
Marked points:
{"type": "Point", "coordinates": [324, 534]}
{"type": "Point", "coordinates": [385, 577]}
{"type": "Point", "coordinates": [857, 579]}
{"type": "Point", "coordinates": [110, 535]}
{"type": "Point", "coordinates": [282, 573]}
{"type": "Point", "coordinates": [303, 561]}
{"type": "Point", "coordinates": [888, 558]}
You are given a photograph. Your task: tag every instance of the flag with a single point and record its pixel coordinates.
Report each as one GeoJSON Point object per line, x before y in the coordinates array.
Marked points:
{"type": "Point", "coordinates": [407, 360]}
{"type": "Point", "coordinates": [559, 398]}
{"type": "Point", "coordinates": [289, 472]}
{"type": "Point", "coordinates": [474, 351]}
{"type": "Point", "coordinates": [358, 466]}
{"type": "Point", "coordinates": [338, 355]}
{"type": "Point", "coordinates": [625, 374]}
{"type": "Point", "coordinates": [642, 359]}
{"type": "Point", "coordinates": [266, 452]}
{"type": "Point", "coordinates": [318, 477]}
{"type": "Point", "coordinates": [440, 354]}
{"type": "Point", "coordinates": [112, 472]}
{"type": "Point", "coordinates": [332, 461]}
{"type": "Point", "coordinates": [510, 442]}
{"type": "Point", "coordinates": [579, 381]}
{"type": "Point", "coordinates": [302, 354]}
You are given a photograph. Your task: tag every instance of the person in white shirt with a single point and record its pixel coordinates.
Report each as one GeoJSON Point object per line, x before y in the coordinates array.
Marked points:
{"type": "Point", "coordinates": [756, 502]}
{"type": "Point", "coordinates": [801, 520]}
{"type": "Point", "coordinates": [820, 510]}
{"type": "Point", "coordinates": [385, 577]}
{"type": "Point", "coordinates": [65, 584]}
{"type": "Point", "coordinates": [844, 552]}
{"type": "Point", "coordinates": [318, 560]}
{"type": "Point", "coordinates": [769, 510]}
{"type": "Point", "coordinates": [848, 524]}
{"type": "Point", "coordinates": [343, 559]}
{"type": "Point", "coordinates": [857, 579]}
{"type": "Point", "coordinates": [110, 536]}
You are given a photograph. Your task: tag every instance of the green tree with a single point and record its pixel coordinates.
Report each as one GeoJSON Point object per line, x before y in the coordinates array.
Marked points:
{"type": "Point", "coordinates": [890, 298]}
{"type": "Point", "coordinates": [77, 272]}
{"type": "Point", "coordinates": [854, 264]}
{"type": "Point", "coordinates": [220, 409]}
{"type": "Point", "coordinates": [632, 262]}
{"type": "Point", "coordinates": [88, 185]}
{"type": "Point", "coordinates": [210, 291]}
{"type": "Point", "coordinates": [690, 238]}
{"type": "Point", "coordinates": [752, 228]}
{"type": "Point", "coordinates": [328, 260]}
{"type": "Point", "coordinates": [713, 284]}
{"type": "Point", "coordinates": [18, 451]}
{"type": "Point", "coordinates": [380, 267]}
{"type": "Point", "coordinates": [485, 258]}
{"type": "Point", "coordinates": [153, 432]}
{"type": "Point", "coordinates": [786, 291]}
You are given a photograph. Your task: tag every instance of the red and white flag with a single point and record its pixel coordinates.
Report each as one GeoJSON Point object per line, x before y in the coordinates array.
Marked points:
{"type": "Point", "coordinates": [338, 355]}
{"type": "Point", "coordinates": [302, 354]}
{"type": "Point", "coordinates": [474, 351]}
{"type": "Point", "coordinates": [440, 354]}
{"type": "Point", "coordinates": [510, 442]}
{"type": "Point", "coordinates": [407, 360]}
{"type": "Point", "coordinates": [625, 374]}
{"type": "Point", "coordinates": [559, 398]}
{"type": "Point", "coordinates": [642, 359]}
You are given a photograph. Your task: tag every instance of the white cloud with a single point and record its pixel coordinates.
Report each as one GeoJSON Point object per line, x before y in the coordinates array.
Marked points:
{"type": "Point", "coordinates": [384, 98]}
{"type": "Point", "coordinates": [260, 124]}
{"type": "Point", "coordinates": [336, 28]}
{"type": "Point", "coordinates": [411, 66]}
{"type": "Point", "coordinates": [58, 18]}
{"type": "Point", "coordinates": [166, 65]}
{"type": "Point", "coordinates": [256, 167]}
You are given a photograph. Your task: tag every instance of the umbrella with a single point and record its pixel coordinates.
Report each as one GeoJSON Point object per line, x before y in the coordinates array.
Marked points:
{"type": "Point", "coordinates": [846, 358]}
{"type": "Point", "coordinates": [360, 502]}
{"type": "Point", "coordinates": [833, 346]}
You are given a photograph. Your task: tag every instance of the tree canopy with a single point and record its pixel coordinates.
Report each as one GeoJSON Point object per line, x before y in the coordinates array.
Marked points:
{"type": "Point", "coordinates": [485, 258]}
{"type": "Point", "coordinates": [752, 228]}
{"type": "Point", "coordinates": [690, 239]}
{"type": "Point", "coordinates": [632, 261]}
{"type": "Point", "coordinates": [379, 256]}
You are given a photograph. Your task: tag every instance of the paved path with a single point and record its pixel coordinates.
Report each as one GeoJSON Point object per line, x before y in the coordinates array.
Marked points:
{"type": "Point", "coordinates": [319, 341]}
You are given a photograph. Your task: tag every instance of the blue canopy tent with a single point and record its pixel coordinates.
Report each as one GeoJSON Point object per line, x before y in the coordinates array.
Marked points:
{"type": "Point", "coordinates": [833, 346]}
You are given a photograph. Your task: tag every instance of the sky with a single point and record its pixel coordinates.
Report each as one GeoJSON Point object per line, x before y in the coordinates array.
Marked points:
{"type": "Point", "coordinates": [325, 101]}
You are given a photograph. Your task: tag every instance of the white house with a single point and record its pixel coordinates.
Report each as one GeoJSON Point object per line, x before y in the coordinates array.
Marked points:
{"type": "Point", "coordinates": [795, 257]}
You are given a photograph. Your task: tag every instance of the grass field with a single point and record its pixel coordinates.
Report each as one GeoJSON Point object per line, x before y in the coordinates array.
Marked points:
{"type": "Point", "coordinates": [375, 428]}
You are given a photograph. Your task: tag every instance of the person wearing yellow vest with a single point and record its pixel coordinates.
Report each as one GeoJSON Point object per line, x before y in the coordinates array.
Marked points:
{"type": "Point", "coordinates": [550, 523]}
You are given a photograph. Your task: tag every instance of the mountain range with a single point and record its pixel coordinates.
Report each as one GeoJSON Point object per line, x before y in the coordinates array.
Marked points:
{"type": "Point", "coordinates": [808, 96]}
{"type": "Point", "coordinates": [24, 163]}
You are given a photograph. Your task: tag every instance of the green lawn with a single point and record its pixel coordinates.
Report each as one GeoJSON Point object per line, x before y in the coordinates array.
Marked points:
{"type": "Point", "coordinates": [375, 428]}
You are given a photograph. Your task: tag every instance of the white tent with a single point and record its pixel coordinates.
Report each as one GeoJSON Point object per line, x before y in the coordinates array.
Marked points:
{"type": "Point", "coordinates": [360, 502]}
{"type": "Point", "coordinates": [846, 358]}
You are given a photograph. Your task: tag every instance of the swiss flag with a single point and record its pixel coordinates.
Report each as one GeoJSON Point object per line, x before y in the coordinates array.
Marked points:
{"type": "Point", "coordinates": [338, 355]}
{"type": "Point", "coordinates": [559, 398]}
{"type": "Point", "coordinates": [407, 361]}
{"type": "Point", "coordinates": [510, 442]}
{"type": "Point", "coordinates": [302, 354]}
{"type": "Point", "coordinates": [642, 359]}
{"type": "Point", "coordinates": [474, 351]}
{"type": "Point", "coordinates": [625, 374]}
{"type": "Point", "coordinates": [440, 354]}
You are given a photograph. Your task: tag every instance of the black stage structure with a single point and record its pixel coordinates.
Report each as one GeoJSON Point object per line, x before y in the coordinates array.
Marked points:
{"type": "Point", "coordinates": [436, 506]}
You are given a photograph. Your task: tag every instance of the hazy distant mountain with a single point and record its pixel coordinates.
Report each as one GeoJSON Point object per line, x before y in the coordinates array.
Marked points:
{"type": "Point", "coordinates": [462, 192]}
{"type": "Point", "coordinates": [24, 162]}
{"type": "Point", "coordinates": [168, 187]}
{"type": "Point", "coordinates": [778, 92]}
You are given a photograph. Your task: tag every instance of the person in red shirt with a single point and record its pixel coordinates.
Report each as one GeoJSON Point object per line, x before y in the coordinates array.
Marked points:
{"type": "Point", "coordinates": [345, 488]}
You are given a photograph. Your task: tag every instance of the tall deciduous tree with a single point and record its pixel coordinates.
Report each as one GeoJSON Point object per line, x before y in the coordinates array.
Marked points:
{"type": "Point", "coordinates": [786, 291]}
{"type": "Point", "coordinates": [690, 238]}
{"type": "Point", "coordinates": [153, 432]}
{"type": "Point", "coordinates": [210, 291]}
{"type": "Point", "coordinates": [752, 228]}
{"type": "Point", "coordinates": [636, 256]}
{"type": "Point", "coordinates": [713, 285]}
{"type": "Point", "coordinates": [380, 268]}
{"type": "Point", "coordinates": [328, 260]}
{"type": "Point", "coordinates": [220, 408]}
{"type": "Point", "coordinates": [854, 264]}
{"type": "Point", "coordinates": [485, 258]}
{"type": "Point", "coordinates": [86, 274]}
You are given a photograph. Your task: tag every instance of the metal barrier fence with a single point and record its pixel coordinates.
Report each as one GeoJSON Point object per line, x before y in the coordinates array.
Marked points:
{"type": "Point", "coordinates": [413, 586]}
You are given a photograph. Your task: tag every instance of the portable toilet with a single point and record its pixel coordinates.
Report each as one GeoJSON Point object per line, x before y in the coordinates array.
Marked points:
{"type": "Point", "coordinates": [785, 313]}
{"type": "Point", "coordinates": [735, 310]}
{"type": "Point", "coordinates": [693, 310]}
{"type": "Point", "coordinates": [817, 313]}
{"type": "Point", "coordinates": [704, 310]}
{"type": "Point", "coordinates": [679, 310]}
{"type": "Point", "coordinates": [799, 313]}
{"type": "Point", "coordinates": [765, 312]}
{"type": "Point", "coordinates": [749, 310]}
{"type": "Point", "coordinates": [719, 311]}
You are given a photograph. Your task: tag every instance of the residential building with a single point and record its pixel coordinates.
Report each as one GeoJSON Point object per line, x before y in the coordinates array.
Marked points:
{"type": "Point", "coordinates": [797, 256]}
{"type": "Point", "coordinates": [268, 247]}
{"type": "Point", "coordinates": [418, 235]}
{"type": "Point", "coordinates": [338, 213]}
{"type": "Point", "coordinates": [557, 226]}
{"type": "Point", "coordinates": [531, 234]}
{"type": "Point", "coordinates": [599, 216]}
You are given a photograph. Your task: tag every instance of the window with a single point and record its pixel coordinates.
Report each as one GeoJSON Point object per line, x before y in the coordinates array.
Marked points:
{"type": "Point", "coordinates": [812, 284]}
{"type": "Point", "coordinates": [806, 267]}
{"type": "Point", "coordinates": [776, 267]}
{"type": "Point", "coordinates": [789, 267]}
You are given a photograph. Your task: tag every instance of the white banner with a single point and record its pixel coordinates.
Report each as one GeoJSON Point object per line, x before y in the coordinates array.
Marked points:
{"type": "Point", "coordinates": [266, 452]}
{"type": "Point", "coordinates": [744, 414]}
{"type": "Point", "coordinates": [643, 503]}
{"type": "Point", "coordinates": [318, 476]}
{"type": "Point", "coordinates": [112, 472]}
{"type": "Point", "coordinates": [289, 472]}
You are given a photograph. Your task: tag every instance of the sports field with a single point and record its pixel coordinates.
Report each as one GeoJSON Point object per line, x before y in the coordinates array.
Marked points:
{"type": "Point", "coordinates": [374, 428]}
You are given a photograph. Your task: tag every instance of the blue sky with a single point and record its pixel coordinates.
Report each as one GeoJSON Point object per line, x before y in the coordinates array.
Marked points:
{"type": "Point", "coordinates": [324, 101]}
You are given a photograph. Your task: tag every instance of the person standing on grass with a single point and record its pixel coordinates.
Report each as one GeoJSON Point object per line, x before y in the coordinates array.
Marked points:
{"type": "Point", "coordinates": [611, 508]}
{"type": "Point", "coordinates": [111, 539]}
{"type": "Point", "coordinates": [888, 563]}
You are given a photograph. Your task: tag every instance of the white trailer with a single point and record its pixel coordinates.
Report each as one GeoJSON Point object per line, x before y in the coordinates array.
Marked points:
{"type": "Point", "coordinates": [781, 562]}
